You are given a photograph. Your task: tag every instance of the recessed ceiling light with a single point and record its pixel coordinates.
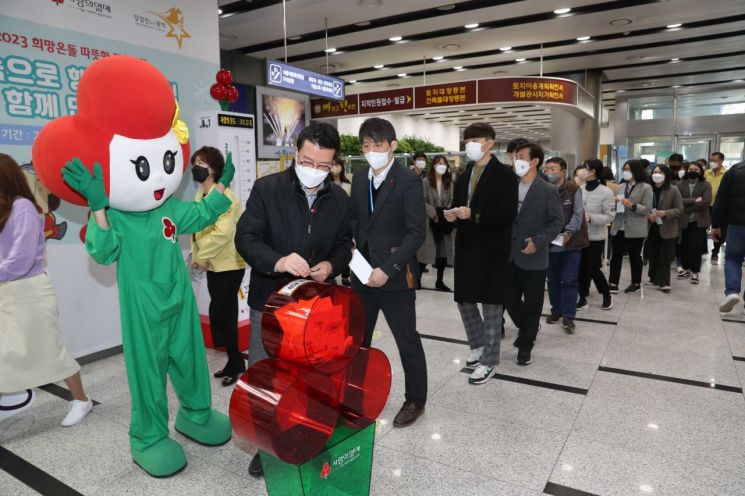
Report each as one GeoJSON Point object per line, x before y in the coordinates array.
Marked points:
{"type": "Point", "coordinates": [403, 74]}
{"type": "Point", "coordinates": [219, 11]}
{"type": "Point", "coordinates": [395, 38]}
{"type": "Point", "coordinates": [737, 81]}
{"type": "Point", "coordinates": [450, 46]}
{"type": "Point", "coordinates": [506, 49]}
{"type": "Point", "coordinates": [438, 57]}
{"type": "Point", "coordinates": [472, 25]}
{"type": "Point", "coordinates": [583, 38]}
{"type": "Point", "coordinates": [294, 38]}
{"type": "Point", "coordinates": [673, 26]}
{"type": "Point", "coordinates": [620, 22]}
{"type": "Point", "coordinates": [461, 69]}
{"type": "Point", "coordinates": [520, 60]}
{"type": "Point", "coordinates": [457, 67]}
{"type": "Point", "coordinates": [675, 59]}
{"type": "Point", "coordinates": [362, 24]}
{"type": "Point", "coordinates": [330, 50]}
{"type": "Point", "coordinates": [379, 66]}
{"type": "Point", "coordinates": [676, 86]}
{"type": "Point", "coordinates": [352, 81]}
{"type": "Point", "coordinates": [620, 91]}
{"type": "Point", "coordinates": [562, 11]}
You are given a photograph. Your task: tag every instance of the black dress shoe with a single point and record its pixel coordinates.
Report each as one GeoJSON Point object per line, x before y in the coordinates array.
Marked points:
{"type": "Point", "coordinates": [254, 468]}
{"type": "Point", "coordinates": [408, 414]}
{"type": "Point", "coordinates": [229, 380]}
{"type": "Point", "coordinates": [440, 286]}
{"type": "Point", "coordinates": [221, 373]}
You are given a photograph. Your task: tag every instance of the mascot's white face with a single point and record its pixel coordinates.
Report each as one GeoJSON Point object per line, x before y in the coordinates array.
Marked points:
{"type": "Point", "coordinates": [144, 173]}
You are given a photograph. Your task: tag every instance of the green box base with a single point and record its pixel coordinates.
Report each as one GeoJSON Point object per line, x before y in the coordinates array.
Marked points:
{"type": "Point", "coordinates": [343, 468]}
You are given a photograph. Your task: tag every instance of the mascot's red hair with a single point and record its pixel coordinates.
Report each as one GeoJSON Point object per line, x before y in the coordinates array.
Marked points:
{"type": "Point", "coordinates": [121, 100]}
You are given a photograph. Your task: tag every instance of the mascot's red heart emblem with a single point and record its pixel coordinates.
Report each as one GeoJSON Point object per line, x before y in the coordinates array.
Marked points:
{"type": "Point", "coordinates": [169, 229]}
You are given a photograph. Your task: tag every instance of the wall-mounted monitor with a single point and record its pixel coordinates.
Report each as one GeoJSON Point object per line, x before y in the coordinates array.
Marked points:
{"type": "Point", "coordinates": [282, 115]}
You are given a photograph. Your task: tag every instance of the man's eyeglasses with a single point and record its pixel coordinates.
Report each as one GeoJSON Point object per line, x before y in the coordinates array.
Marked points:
{"type": "Point", "coordinates": [326, 167]}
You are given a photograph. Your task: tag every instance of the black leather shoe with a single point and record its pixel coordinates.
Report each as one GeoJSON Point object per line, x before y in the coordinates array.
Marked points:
{"type": "Point", "coordinates": [254, 468]}
{"type": "Point", "coordinates": [440, 286]}
{"type": "Point", "coordinates": [408, 414]}
{"type": "Point", "coordinates": [229, 380]}
{"type": "Point", "coordinates": [220, 373]}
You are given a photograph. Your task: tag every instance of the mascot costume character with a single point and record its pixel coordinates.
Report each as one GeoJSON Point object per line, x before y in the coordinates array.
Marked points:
{"type": "Point", "coordinates": [124, 155]}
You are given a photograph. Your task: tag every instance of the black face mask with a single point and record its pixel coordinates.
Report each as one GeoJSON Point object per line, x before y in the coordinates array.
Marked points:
{"type": "Point", "coordinates": [693, 175]}
{"type": "Point", "coordinates": [200, 174]}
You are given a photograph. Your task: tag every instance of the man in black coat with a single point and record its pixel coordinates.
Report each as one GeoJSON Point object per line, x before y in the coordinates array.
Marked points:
{"type": "Point", "coordinates": [389, 223]}
{"type": "Point", "coordinates": [296, 225]}
{"type": "Point", "coordinates": [485, 205]}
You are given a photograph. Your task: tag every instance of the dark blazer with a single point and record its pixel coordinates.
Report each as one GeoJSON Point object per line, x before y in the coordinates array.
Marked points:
{"type": "Point", "coordinates": [482, 243]}
{"type": "Point", "coordinates": [395, 230]}
{"type": "Point", "coordinates": [701, 209]}
{"type": "Point", "coordinates": [277, 222]}
{"type": "Point", "coordinates": [541, 218]}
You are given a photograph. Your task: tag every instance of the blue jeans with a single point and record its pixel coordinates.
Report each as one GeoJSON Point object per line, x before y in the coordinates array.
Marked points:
{"type": "Point", "coordinates": [734, 254]}
{"type": "Point", "coordinates": [563, 282]}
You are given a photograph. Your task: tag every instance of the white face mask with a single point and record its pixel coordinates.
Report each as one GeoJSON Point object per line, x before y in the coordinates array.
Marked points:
{"type": "Point", "coordinates": [441, 169]}
{"type": "Point", "coordinates": [521, 167]}
{"type": "Point", "coordinates": [681, 173]}
{"type": "Point", "coordinates": [658, 178]}
{"type": "Point", "coordinates": [377, 160]}
{"type": "Point", "coordinates": [473, 151]}
{"type": "Point", "coordinates": [419, 164]}
{"type": "Point", "coordinates": [310, 177]}
{"type": "Point", "coordinates": [627, 176]}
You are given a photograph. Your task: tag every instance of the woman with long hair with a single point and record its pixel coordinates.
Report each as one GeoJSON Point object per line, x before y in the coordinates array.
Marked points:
{"type": "Point", "coordinates": [629, 228]}
{"type": "Point", "coordinates": [696, 193]}
{"type": "Point", "coordinates": [599, 212]}
{"type": "Point", "coordinates": [31, 353]}
{"type": "Point", "coordinates": [438, 196]}
{"type": "Point", "coordinates": [664, 226]}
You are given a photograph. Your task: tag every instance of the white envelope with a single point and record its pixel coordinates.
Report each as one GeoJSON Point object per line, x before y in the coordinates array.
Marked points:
{"type": "Point", "coordinates": [361, 267]}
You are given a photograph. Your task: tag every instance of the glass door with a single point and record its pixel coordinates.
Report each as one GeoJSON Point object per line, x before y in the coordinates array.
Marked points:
{"type": "Point", "coordinates": [695, 147]}
{"type": "Point", "coordinates": [733, 148]}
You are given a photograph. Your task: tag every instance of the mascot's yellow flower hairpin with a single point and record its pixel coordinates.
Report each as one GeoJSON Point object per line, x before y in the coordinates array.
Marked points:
{"type": "Point", "coordinates": [180, 128]}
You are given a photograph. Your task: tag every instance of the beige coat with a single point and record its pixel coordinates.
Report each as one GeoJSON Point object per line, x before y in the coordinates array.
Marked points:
{"type": "Point", "coordinates": [432, 200]}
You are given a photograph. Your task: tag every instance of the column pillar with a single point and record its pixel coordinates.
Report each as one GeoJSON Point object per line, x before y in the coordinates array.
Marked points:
{"type": "Point", "coordinates": [576, 136]}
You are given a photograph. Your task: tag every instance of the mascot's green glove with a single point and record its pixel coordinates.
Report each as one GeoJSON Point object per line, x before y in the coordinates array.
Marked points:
{"type": "Point", "coordinates": [229, 171]}
{"type": "Point", "coordinates": [90, 186]}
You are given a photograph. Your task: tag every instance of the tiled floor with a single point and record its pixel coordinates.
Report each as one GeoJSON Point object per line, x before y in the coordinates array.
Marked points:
{"type": "Point", "coordinates": [643, 399]}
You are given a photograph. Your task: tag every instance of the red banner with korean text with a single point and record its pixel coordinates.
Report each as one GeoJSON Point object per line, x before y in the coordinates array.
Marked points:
{"type": "Point", "coordinates": [527, 89]}
{"type": "Point", "coordinates": [444, 95]}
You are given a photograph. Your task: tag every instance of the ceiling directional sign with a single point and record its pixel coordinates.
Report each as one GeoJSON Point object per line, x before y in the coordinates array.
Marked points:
{"type": "Point", "coordinates": [293, 78]}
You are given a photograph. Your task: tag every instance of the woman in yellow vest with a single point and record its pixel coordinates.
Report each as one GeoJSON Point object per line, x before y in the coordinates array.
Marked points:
{"type": "Point", "coordinates": [213, 250]}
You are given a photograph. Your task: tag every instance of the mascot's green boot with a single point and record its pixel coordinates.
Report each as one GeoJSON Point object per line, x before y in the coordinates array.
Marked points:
{"type": "Point", "coordinates": [214, 432]}
{"type": "Point", "coordinates": [163, 459]}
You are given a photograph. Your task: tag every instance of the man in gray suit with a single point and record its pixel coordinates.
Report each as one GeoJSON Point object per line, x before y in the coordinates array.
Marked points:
{"type": "Point", "coordinates": [540, 218]}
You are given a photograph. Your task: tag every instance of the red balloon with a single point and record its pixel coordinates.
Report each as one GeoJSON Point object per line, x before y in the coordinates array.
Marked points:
{"type": "Point", "coordinates": [232, 94]}
{"type": "Point", "coordinates": [224, 77]}
{"type": "Point", "coordinates": [218, 91]}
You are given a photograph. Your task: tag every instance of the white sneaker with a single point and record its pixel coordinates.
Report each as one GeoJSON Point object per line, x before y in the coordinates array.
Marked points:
{"type": "Point", "coordinates": [14, 403]}
{"type": "Point", "coordinates": [78, 411]}
{"type": "Point", "coordinates": [482, 374]}
{"type": "Point", "coordinates": [473, 358]}
{"type": "Point", "coordinates": [729, 303]}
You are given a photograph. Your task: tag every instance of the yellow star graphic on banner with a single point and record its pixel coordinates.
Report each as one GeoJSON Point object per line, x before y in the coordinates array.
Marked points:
{"type": "Point", "coordinates": [175, 20]}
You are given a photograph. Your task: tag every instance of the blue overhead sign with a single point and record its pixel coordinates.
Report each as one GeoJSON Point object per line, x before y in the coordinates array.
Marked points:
{"type": "Point", "coordinates": [293, 78]}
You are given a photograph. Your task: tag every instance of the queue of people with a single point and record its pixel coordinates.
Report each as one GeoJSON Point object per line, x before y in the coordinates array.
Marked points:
{"type": "Point", "coordinates": [508, 231]}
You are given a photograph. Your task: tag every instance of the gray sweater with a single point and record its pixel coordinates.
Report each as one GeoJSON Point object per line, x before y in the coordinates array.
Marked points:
{"type": "Point", "coordinates": [601, 208]}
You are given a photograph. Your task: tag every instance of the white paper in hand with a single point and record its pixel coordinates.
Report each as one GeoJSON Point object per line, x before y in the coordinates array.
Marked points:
{"type": "Point", "coordinates": [559, 241]}
{"type": "Point", "coordinates": [620, 207]}
{"type": "Point", "coordinates": [361, 267]}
